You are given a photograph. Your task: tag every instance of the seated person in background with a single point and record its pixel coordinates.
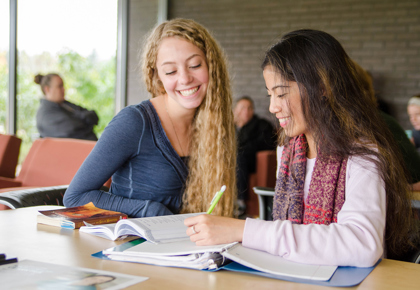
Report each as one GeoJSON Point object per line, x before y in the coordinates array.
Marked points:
{"type": "Point", "coordinates": [341, 193]}
{"type": "Point", "coordinates": [253, 134]}
{"type": "Point", "coordinates": [59, 118]}
{"type": "Point", "coordinates": [413, 110]}
{"type": "Point", "coordinates": [172, 153]}
{"type": "Point", "coordinates": [410, 156]}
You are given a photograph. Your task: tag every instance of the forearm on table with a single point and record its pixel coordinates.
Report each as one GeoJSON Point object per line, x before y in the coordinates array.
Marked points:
{"type": "Point", "coordinates": [109, 201]}
{"type": "Point", "coordinates": [315, 244]}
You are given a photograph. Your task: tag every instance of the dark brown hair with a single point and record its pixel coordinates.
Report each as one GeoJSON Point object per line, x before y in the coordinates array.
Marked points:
{"type": "Point", "coordinates": [342, 116]}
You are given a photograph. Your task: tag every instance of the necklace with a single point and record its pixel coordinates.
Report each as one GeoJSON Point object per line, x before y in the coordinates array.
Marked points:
{"type": "Point", "coordinates": [179, 143]}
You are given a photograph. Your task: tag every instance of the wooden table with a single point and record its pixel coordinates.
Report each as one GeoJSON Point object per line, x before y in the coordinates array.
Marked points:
{"type": "Point", "coordinates": [20, 235]}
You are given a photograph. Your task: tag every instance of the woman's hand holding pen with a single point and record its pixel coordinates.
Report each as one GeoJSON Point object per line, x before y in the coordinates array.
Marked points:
{"type": "Point", "coordinates": [207, 230]}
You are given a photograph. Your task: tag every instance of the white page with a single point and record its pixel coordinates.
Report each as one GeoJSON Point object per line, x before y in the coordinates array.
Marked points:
{"type": "Point", "coordinates": [203, 261]}
{"type": "Point", "coordinates": [104, 231]}
{"type": "Point", "coordinates": [163, 222]}
{"type": "Point", "coordinates": [159, 229]}
{"type": "Point", "coordinates": [183, 247]}
{"type": "Point", "coordinates": [276, 265]}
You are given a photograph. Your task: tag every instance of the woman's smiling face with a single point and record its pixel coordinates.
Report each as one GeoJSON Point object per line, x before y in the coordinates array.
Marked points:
{"type": "Point", "coordinates": [183, 71]}
{"type": "Point", "coordinates": [285, 103]}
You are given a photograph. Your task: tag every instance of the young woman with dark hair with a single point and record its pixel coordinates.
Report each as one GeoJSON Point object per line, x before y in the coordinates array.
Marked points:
{"type": "Point", "coordinates": [341, 194]}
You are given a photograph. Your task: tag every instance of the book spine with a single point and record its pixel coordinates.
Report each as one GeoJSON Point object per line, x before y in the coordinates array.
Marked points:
{"type": "Point", "coordinates": [99, 221]}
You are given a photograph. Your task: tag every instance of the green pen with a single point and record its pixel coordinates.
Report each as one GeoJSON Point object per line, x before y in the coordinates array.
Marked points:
{"type": "Point", "coordinates": [216, 198]}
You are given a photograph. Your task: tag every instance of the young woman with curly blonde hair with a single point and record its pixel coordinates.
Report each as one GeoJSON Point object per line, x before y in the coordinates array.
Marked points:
{"type": "Point", "coordinates": [172, 153]}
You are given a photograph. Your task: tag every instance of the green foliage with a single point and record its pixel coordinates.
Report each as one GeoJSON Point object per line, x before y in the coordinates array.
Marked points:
{"type": "Point", "coordinates": [3, 91]}
{"type": "Point", "coordinates": [89, 83]}
{"type": "Point", "coordinates": [27, 105]}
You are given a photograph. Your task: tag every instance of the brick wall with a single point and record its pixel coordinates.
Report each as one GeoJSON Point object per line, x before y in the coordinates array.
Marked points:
{"type": "Point", "coordinates": [383, 36]}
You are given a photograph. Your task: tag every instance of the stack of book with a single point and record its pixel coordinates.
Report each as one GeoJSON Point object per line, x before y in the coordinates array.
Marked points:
{"type": "Point", "coordinates": [166, 243]}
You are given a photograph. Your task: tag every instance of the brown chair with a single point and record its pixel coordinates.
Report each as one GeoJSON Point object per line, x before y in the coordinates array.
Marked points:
{"type": "Point", "coordinates": [9, 154]}
{"type": "Point", "coordinates": [50, 162]}
{"type": "Point", "coordinates": [264, 176]}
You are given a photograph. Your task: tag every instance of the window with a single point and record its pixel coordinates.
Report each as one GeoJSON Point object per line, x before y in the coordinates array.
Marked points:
{"type": "Point", "coordinates": [76, 39]}
{"type": "Point", "coordinates": [4, 51]}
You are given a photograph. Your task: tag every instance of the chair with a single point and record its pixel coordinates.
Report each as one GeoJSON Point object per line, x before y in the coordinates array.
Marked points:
{"type": "Point", "coordinates": [51, 195]}
{"type": "Point", "coordinates": [9, 154]}
{"type": "Point", "coordinates": [265, 201]}
{"type": "Point", "coordinates": [264, 176]}
{"type": "Point", "coordinates": [412, 256]}
{"type": "Point", "coordinates": [415, 257]}
{"type": "Point", "coordinates": [50, 162]}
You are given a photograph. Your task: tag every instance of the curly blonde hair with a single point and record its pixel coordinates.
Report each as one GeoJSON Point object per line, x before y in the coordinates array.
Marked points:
{"type": "Point", "coordinates": [212, 160]}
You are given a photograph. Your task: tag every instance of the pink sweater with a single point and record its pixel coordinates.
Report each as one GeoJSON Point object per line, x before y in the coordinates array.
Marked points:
{"type": "Point", "coordinates": [355, 240]}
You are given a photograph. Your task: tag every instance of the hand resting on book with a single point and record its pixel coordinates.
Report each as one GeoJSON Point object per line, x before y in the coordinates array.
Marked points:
{"type": "Point", "coordinates": [214, 230]}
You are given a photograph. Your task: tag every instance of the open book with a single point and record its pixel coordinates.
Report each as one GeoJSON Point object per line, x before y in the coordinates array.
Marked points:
{"type": "Point", "coordinates": [159, 229]}
{"type": "Point", "coordinates": [186, 254]}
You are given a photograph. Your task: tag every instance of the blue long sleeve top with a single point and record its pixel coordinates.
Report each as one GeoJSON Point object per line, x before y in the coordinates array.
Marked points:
{"type": "Point", "coordinates": [148, 176]}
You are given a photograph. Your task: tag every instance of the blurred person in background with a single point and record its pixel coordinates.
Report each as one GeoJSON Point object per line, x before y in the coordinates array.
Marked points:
{"type": "Point", "coordinates": [409, 153]}
{"type": "Point", "coordinates": [59, 118]}
{"type": "Point", "coordinates": [413, 110]}
{"type": "Point", "coordinates": [253, 134]}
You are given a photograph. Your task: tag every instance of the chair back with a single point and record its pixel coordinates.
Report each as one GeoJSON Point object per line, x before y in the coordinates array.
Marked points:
{"type": "Point", "coordinates": [264, 176]}
{"type": "Point", "coordinates": [9, 154]}
{"type": "Point", "coordinates": [51, 195]}
{"type": "Point", "coordinates": [265, 201]}
{"type": "Point", "coordinates": [54, 161]}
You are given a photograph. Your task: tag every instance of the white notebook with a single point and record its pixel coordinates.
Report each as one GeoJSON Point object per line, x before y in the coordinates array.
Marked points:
{"type": "Point", "coordinates": [265, 262]}
{"type": "Point", "coordinates": [187, 255]}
